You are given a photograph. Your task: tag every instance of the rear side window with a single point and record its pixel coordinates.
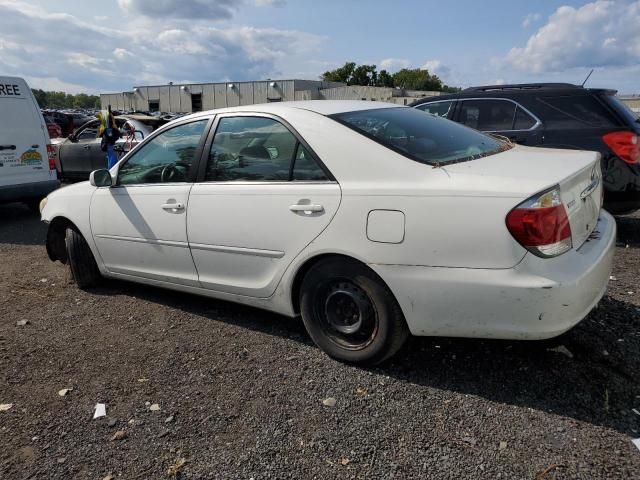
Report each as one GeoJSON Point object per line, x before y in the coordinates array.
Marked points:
{"type": "Point", "coordinates": [305, 168]}
{"type": "Point", "coordinates": [488, 115]}
{"type": "Point", "coordinates": [259, 149]}
{"type": "Point", "coordinates": [523, 120]}
{"type": "Point", "coordinates": [250, 148]}
{"type": "Point", "coordinates": [421, 137]}
{"type": "Point", "coordinates": [576, 111]}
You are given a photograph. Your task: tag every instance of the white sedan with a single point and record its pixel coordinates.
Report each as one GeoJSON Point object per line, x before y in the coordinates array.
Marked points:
{"type": "Point", "coordinates": [369, 220]}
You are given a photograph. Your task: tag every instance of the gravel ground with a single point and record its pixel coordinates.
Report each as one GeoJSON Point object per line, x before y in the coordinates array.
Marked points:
{"type": "Point", "coordinates": [240, 391]}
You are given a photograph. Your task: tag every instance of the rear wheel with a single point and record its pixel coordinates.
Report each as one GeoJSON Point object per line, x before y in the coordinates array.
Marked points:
{"type": "Point", "coordinates": [350, 313]}
{"type": "Point", "coordinates": [81, 261]}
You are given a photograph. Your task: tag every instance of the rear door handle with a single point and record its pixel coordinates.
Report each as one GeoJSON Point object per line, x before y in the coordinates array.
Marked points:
{"type": "Point", "coordinates": [86, 147]}
{"type": "Point", "coordinates": [173, 207]}
{"type": "Point", "coordinates": [306, 208]}
{"type": "Point", "coordinates": [7, 147]}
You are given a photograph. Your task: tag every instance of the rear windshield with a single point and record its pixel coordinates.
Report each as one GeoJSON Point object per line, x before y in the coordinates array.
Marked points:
{"type": "Point", "coordinates": [421, 136]}
{"type": "Point", "coordinates": [623, 109]}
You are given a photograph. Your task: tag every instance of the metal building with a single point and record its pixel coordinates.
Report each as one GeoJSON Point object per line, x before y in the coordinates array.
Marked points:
{"type": "Point", "coordinates": [207, 96]}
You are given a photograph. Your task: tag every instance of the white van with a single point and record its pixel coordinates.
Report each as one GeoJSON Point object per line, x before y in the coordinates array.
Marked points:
{"type": "Point", "coordinates": [27, 163]}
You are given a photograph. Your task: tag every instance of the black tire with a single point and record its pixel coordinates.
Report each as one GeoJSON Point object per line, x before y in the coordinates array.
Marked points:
{"type": "Point", "coordinates": [83, 266]}
{"type": "Point", "coordinates": [350, 313]}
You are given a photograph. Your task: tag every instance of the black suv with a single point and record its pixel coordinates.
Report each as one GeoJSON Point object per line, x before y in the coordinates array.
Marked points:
{"type": "Point", "coordinates": [557, 115]}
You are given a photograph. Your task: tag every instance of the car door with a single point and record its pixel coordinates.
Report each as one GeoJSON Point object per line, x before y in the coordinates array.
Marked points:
{"type": "Point", "coordinates": [75, 153]}
{"type": "Point", "coordinates": [500, 116]}
{"type": "Point", "coordinates": [139, 224]}
{"type": "Point", "coordinates": [263, 197]}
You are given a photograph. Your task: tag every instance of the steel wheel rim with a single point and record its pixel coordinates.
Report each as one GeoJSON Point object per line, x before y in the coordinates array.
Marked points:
{"type": "Point", "coordinates": [346, 314]}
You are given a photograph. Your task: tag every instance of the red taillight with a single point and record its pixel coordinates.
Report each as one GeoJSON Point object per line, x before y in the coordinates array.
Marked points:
{"type": "Point", "coordinates": [51, 153]}
{"type": "Point", "coordinates": [540, 224]}
{"type": "Point", "coordinates": [625, 145]}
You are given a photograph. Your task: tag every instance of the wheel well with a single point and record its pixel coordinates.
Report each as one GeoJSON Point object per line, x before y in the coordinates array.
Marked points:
{"type": "Point", "coordinates": [56, 248]}
{"type": "Point", "coordinates": [302, 271]}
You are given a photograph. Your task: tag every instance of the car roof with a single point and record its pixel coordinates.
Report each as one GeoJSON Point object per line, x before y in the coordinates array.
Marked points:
{"type": "Point", "coordinates": [513, 90]}
{"type": "Point", "coordinates": [323, 107]}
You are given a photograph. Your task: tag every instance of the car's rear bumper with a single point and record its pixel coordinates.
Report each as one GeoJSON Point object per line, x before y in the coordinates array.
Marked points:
{"type": "Point", "coordinates": [27, 191]}
{"type": "Point", "coordinates": [539, 298]}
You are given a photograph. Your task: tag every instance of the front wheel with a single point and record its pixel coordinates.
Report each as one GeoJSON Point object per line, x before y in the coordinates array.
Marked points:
{"type": "Point", "coordinates": [350, 313]}
{"type": "Point", "coordinates": [81, 261]}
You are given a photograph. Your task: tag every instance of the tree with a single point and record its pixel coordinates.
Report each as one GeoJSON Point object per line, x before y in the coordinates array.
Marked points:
{"type": "Point", "coordinates": [65, 100]}
{"type": "Point", "coordinates": [384, 79]}
{"type": "Point", "coordinates": [448, 89]}
{"type": "Point", "coordinates": [416, 79]}
{"type": "Point", "coordinates": [367, 75]}
{"type": "Point", "coordinates": [342, 74]}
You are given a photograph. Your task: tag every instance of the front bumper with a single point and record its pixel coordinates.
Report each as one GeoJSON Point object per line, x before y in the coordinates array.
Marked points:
{"type": "Point", "coordinates": [537, 299]}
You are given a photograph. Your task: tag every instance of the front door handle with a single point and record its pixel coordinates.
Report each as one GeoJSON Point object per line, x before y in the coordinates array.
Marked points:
{"type": "Point", "coordinates": [308, 209]}
{"type": "Point", "coordinates": [173, 207]}
{"type": "Point", "coordinates": [7, 147]}
{"type": "Point", "coordinates": [86, 147]}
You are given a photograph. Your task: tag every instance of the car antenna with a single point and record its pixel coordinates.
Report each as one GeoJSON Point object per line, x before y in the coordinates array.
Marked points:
{"type": "Point", "coordinates": [585, 80]}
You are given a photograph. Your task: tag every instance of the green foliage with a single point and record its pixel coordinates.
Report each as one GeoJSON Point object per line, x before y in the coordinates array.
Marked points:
{"type": "Point", "coordinates": [367, 75]}
{"type": "Point", "coordinates": [364, 75]}
{"type": "Point", "coordinates": [384, 79]}
{"type": "Point", "coordinates": [416, 79]}
{"type": "Point", "coordinates": [65, 100]}
{"type": "Point", "coordinates": [448, 89]}
{"type": "Point", "coordinates": [342, 74]}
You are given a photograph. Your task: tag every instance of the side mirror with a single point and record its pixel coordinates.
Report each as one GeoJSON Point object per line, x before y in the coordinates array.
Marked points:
{"type": "Point", "coordinates": [100, 178]}
{"type": "Point", "coordinates": [72, 138]}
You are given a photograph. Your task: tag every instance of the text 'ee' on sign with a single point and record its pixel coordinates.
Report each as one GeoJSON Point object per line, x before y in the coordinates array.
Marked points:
{"type": "Point", "coordinates": [10, 90]}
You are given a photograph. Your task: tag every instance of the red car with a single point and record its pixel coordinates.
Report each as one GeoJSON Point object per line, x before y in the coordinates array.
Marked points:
{"type": "Point", "coordinates": [54, 130]}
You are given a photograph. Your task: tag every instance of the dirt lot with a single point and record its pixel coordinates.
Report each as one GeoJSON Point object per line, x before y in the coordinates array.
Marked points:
{"type": "Point", "coordinates": [240, 391]}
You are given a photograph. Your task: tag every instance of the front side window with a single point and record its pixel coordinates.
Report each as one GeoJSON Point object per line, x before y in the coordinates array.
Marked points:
{"type": "Point", "coordinates": [167, 158]}
{"type": "Point", "coordinates": [89, 132]}
{"type": "Point", "coordinates": [257, 149]}
{"type": "Point", "coordinates": [440, 109]}
{"type": "Point", "coordinates": [424, 138]}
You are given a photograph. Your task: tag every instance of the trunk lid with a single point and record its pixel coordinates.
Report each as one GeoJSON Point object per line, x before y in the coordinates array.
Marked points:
{"type": "Point", "coordinates": [522, 172]}
{"type": "Point", "coordinates": [582, 198]}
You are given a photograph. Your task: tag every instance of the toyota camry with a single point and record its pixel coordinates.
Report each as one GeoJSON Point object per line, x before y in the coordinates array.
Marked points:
{"type": "Point", "coordinates": [369, 220]}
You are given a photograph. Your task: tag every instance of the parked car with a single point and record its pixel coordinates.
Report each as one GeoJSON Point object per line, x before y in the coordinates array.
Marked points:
{"type": "Point", "coordinates": [557, 115]}
{"type": "Point", "coordinates": [64, 121]}
{"type": "Point", "coordinates": [54, 130]}
{"type": "Point", "coordinates": [80, 153]}
{"type": "Point", "coordinates": [80, 119]}
{"type": "Point", "coordinates": [27, 170]}
{"type": "Point", "coordinates": [372, 221]}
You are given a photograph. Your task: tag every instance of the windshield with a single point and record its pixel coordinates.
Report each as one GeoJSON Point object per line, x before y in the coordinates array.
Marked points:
{"type": "Point", "coordinates": [624, 109]}
{"type": "Point", "coordinates": [421, 136]}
